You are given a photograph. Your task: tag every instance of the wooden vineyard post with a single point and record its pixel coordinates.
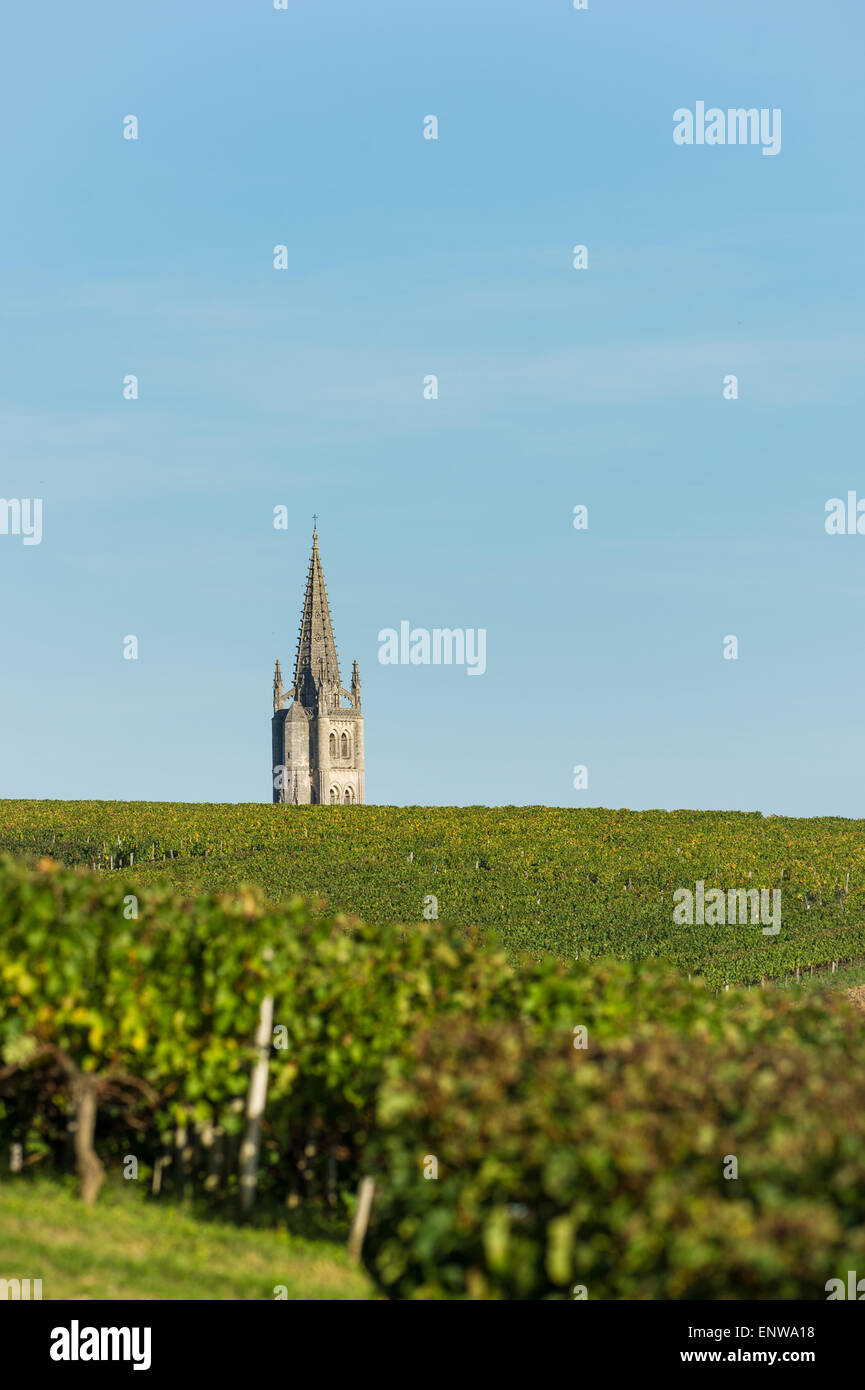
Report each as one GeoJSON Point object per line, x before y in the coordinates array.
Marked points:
{"type": "Point", "coordinates": [255, 1105]}
{"type": "Point", "coordinates": [183, 1153]}
{"type": "Point", "coordinates": [206, 1136]}
{"type": "Point", "coordinates": [159, 1167]}
{"type": "Point", "coordinates": [365, 1194]}
{"type": "Point", "coordinates": [213, 1139]}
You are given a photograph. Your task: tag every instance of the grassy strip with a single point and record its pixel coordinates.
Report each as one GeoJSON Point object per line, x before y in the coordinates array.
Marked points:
{"type": "Point", "coordinates": [131, 1248]}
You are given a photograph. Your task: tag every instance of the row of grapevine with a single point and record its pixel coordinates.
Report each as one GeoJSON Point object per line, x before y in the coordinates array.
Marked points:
{"type": "Point", "coordinates": [527, 1129]}
{"type": "Point", "coordinates": [571, 883]}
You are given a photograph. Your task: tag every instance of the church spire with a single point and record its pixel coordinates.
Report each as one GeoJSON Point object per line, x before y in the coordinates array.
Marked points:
{"type": "Point", "coordinates": [317, 739]}
{"type": "Point", "coordinates": [317, 667]}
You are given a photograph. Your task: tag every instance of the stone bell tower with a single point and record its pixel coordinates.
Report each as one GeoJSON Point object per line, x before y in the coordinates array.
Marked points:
{"type": "Point", "coordinates": [317, 740]}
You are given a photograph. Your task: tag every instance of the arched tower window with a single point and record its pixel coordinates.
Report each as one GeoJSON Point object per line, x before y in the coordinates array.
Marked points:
{"type": "Point", "coordinates": [348, 796]}
{"type": "Point", "coordinates": [344, 746]}
{"type": "Point", "coordinates": [333, 745]}
{"type": "Point", "coordinates": [334, 795]}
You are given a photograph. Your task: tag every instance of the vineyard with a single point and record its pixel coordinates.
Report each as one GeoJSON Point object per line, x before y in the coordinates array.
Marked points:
{"type": "Point", "coordinates": [528, 1130]}
{"type": "Point", "coordinates": [574, 884]}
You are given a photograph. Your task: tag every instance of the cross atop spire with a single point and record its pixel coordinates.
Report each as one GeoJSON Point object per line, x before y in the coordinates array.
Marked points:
{"type": "Point", "coordinates": [317, 666]}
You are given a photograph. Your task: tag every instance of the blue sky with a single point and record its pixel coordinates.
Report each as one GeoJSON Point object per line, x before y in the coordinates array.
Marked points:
{"type": "Point", "coordinates": [557, 387]}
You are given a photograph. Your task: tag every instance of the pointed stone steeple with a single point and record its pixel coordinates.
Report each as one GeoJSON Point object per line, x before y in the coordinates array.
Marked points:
{"type": "Point", "coordinates": [316, 670]}
{"type": "Point", "coordinates": [317, 741]}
